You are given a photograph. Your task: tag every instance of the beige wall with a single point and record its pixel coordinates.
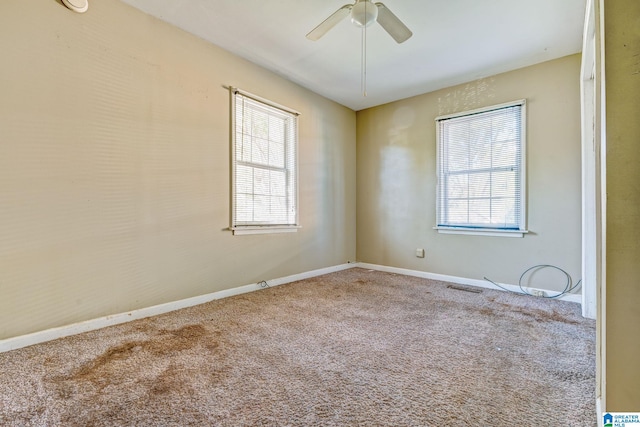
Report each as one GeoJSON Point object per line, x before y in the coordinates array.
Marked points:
{"type": "Point", "coordinates": [396, 179]}
{"type": "Point", "coordinates": [622, 80]}
{"type": "Point", "coordinates": [114, 168]}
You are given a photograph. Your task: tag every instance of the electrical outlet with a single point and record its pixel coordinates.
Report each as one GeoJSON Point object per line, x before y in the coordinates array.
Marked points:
{"type": "Point", "coordinates": [538, 293]}
{"type": "Point", "coordinates": [420, 253]}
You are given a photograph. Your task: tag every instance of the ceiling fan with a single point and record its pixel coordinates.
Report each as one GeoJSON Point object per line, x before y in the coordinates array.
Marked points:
{"type": "Point", "coordinates": [364, 13]}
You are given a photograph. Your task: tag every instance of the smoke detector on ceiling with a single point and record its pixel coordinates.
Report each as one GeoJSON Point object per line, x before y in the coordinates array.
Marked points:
{"type": "Point", "coordinates": [79, 6]}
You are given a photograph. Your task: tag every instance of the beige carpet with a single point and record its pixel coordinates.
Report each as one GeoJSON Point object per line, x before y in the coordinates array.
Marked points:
{"type": "Point", "coordinates": [353, 348]}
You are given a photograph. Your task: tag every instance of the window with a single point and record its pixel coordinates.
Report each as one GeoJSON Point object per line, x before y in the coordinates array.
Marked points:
{"type": "Point", "coordinates": [264, 166]}
{"type": "Point", "coordinates": [481, 172]}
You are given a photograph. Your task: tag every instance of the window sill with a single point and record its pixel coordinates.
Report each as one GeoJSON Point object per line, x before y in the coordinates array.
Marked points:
{"type": "Point", "coordinates": [266, 229]}
{"type": "Point", "coordinates": [481, 231]}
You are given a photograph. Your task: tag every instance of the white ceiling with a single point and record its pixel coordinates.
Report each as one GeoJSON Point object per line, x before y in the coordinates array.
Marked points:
{"type": "Point", "coordinates": [454, 41]}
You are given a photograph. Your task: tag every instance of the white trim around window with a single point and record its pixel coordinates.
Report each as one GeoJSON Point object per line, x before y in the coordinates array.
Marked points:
{"type": "Point", "coordinates": [264, 165]}
{"type": "Point", "coordinates": [481, 171]}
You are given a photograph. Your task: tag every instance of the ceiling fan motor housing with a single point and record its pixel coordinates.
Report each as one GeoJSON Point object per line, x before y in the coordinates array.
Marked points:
{"type": "Point", "coordinates": [364, 13]}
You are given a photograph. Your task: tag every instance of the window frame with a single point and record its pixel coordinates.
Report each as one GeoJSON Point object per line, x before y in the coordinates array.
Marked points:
{"type": "Point", "coordinates": [290, 167]}
{"type": "Point", "coordinates": [445, 228]}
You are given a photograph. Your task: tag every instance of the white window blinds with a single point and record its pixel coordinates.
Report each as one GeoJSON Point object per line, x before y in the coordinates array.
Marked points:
{"type": "Point", "coordinates": [481, 169]}
{"type": "Point", "coordinates": [264, 160]}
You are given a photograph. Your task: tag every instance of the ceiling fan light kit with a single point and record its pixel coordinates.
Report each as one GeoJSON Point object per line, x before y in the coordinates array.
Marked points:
{"type": "Point", "coordinates": [79, 6]}
{"type": "Point", "coordinates": [364, 13]}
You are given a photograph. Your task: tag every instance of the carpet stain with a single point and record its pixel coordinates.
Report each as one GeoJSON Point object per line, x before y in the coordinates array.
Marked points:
{"type": "Point", "coordinates": [544, 316]}
{"type": "Point", "coordinates": [486, 311]}
{"type": "Point", "coordinates": [112, 366]}
{"type": "Point", "coordinates": [113, 354]}
{"type": "Point", "coordinates": [538, 315]}
{"type": "Point", "coordinates": [574, 376]}
{"type": "Point", "coordinates": [165, 382]}
{"type": "Point", "coordinates": [179, 339]}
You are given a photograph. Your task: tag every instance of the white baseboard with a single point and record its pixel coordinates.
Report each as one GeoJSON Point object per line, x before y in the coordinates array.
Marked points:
{"type": "Point", "coordinates": [599, 411]}
{"type": "Point", "coordinates": [461, 280]}
{"type": "Point", "coordinates": [102, 322]}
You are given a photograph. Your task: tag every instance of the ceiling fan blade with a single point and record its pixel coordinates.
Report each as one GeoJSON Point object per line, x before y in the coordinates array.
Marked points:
{"type": "Point", "coordinates": [392, 24]}
{"type": "Point", "coordinates": [330, 22]}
